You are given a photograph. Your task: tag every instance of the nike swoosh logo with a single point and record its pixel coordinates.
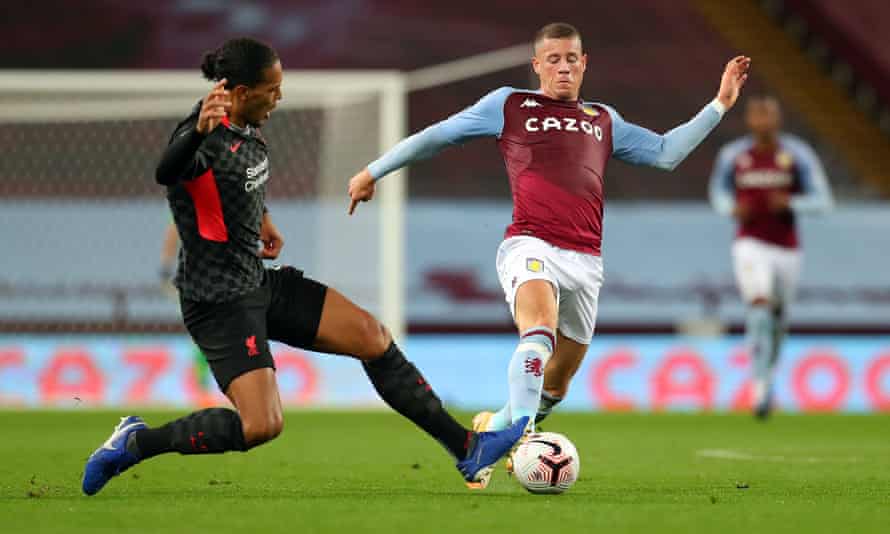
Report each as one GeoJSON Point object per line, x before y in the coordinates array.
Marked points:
{"type": "Point", "coordinates": [234, 147]}
{"type": "Point", "coordinates": [557, 450]}
{"type": "Point", "coordinates": [109, 444]}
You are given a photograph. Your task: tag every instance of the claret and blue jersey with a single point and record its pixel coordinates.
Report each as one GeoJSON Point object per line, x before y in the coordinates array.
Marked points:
{"type": "Point", "coordinates": [556, 153]}
{"type": "Point", "coordinates": [745, 173]}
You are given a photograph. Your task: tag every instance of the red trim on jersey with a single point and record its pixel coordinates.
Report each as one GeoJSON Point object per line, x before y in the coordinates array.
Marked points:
{"type": "Point", "coordinates": [208, 207]}
{"type": "Point", "coordinates": [226, 122]}
{"type": "Point", "coordinates": [541, 332]}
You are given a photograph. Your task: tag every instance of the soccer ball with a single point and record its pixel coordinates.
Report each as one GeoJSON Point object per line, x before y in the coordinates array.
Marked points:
{"type": "Point", "coordinates": [546, 463]}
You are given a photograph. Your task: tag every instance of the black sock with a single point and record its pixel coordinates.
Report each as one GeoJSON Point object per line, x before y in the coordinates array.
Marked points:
{"type": "Point", "coordinates": [209, 431]}
{"type": "Point", "coordinates": [405, 390]}
{"type": "Point", "coordinates": [548, 402]}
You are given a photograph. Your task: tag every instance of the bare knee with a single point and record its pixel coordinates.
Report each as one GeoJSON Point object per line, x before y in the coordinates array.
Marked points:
{"type": "Point", "coordinates": [258, 430]}
{"type": "Point", "coordinates": [539, 319]}
{"type": "Point", "coordinates": [371, 337]}
{"type": "Point", "coordinates": [536, 305]}
{"type": "Point", "coordinates": [760, 301]}
{"type": "Point", "coordinates": [537, 316]}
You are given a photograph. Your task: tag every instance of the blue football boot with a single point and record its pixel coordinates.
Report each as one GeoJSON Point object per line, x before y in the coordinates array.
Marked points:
{"type": "Point", "coordinates": [486, 450]}
{"type": "Point", "coordinates": [112, 458]}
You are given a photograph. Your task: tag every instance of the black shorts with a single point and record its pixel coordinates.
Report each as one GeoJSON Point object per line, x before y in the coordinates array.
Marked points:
{"type": "Point", "coordinates": [234, 336]}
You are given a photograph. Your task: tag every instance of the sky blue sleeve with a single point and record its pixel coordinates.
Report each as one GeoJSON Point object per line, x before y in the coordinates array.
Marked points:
{"type": "Point", "coordinates": [485, 118]}
{"type": "Point", "coordinates": [815, 196]}
{"type": "Point", "coordinates": [721, 188]}
{"type": "Point", "coordinates": [637, 145]}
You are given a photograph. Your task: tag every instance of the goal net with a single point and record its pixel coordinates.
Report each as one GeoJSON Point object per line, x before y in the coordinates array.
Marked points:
{"type": "Point", "coordinates": [82, 220]}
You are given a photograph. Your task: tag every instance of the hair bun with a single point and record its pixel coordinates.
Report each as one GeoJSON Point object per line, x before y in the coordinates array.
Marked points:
{"type": "Point", "coordinates": [208, 66]}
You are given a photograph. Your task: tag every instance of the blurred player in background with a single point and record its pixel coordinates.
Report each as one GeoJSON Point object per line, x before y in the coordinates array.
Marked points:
{"type": "Point", "coordinates": [169, 253]}
{"type": "Point", "coordinates": [555, 147]}
{"type": "Point", "coordinates": [215, 167]}
{"type": "Point", "coordinates": [764, 180]}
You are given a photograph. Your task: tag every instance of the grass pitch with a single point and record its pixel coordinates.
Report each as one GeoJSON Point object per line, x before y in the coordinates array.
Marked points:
{"type": "Point", "coordinates": [373, 472]}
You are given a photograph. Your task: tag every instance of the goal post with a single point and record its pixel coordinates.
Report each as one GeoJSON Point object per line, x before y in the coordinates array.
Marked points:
{"type": "Point", "coordinates": [80, 147]}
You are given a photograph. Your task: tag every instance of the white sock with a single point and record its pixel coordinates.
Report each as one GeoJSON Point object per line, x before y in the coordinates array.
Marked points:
{"type": "Point", "coordinates": [759, 330]}
{"type": "Point", "coordinates": [548, 402]}
{"type": "Point", "coordinates": [780, 326]}
{"type": "Point", "coordinates": [526, 372]}
{"type": "Point", "coordinates": [500, 419]}
{"type": "Point", "coordinates": [761, 389]}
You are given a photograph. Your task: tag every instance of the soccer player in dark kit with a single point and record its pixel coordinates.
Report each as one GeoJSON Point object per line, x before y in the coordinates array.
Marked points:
{"type": "Point", "coordinates": [215, 169]}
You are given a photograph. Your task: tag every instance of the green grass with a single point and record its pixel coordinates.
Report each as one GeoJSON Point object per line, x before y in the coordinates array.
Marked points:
{"type": "Point", "coordinates": [372, 472]}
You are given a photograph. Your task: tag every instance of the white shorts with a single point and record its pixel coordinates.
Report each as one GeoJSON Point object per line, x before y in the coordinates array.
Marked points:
{"type": "Point", "coordinates": [575, 276]}
{"type": "Point", "coordinates": [763, 270]}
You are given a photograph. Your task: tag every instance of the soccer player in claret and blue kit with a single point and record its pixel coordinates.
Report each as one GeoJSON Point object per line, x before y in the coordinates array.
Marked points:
{"type": "Point", "coordinates": [215, 169]}
{"type": "Point", "coordinates": [764, 180]}
{"type": "Point", "coordinates": [556, 147]}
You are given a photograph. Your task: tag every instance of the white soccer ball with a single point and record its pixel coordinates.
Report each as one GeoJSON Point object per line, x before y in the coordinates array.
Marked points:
{"type": "Point", "coordinates": [546, 463]}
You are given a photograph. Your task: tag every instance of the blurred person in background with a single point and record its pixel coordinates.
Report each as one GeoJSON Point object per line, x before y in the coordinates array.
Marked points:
{"type": "Point", "coordinates": [166, 271]}
{"type": "Point", "coordinates": [764, 180]}
{"type": "Point", "coordinates": [169, 253]}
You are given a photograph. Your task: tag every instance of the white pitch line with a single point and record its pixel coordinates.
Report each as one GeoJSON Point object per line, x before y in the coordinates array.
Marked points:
{"type": "Point", "coordinates": [730, 454]}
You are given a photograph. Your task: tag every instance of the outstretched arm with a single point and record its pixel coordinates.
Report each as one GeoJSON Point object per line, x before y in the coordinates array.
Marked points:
{"type": "Point", "coordinates": [720, 189]}
{"type": "Point", "coordinates": [638, 145]}
{"type": "Point", "coordinates": [485, 118]}
{"type": "Point", "coordinates": [815, 195]}
{"type": "Point", "coordinates": [183, 159]}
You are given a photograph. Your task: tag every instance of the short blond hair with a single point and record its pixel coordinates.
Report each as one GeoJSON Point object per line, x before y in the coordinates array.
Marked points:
{"type": "Point", "coordinates": [557, 30]}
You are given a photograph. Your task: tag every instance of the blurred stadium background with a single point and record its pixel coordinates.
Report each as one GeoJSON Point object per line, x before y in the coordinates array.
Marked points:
{"type": "Point", "coordinates": [89, 96]}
